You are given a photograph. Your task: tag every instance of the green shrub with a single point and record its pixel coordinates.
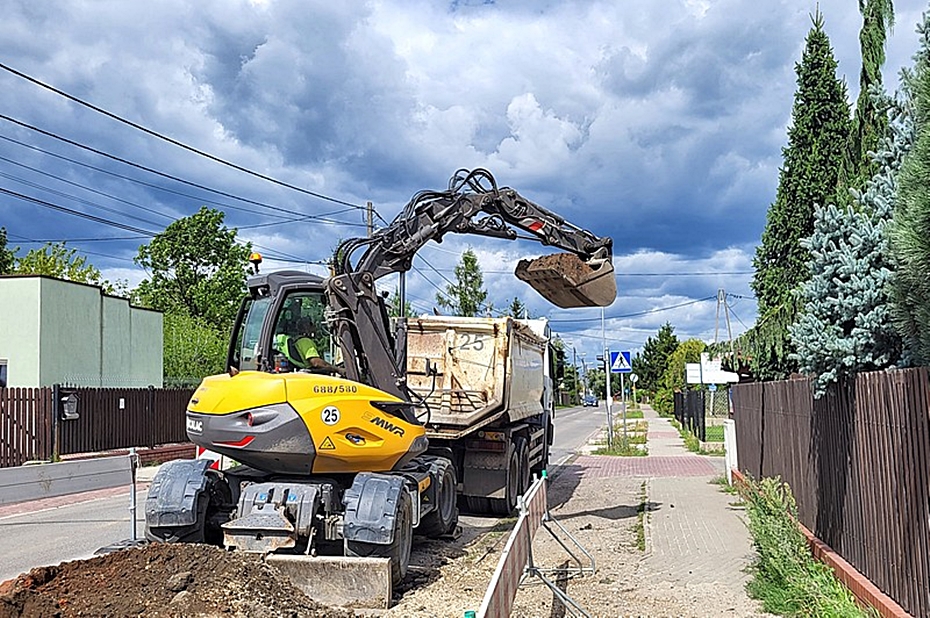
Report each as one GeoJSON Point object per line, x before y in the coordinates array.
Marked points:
{"type": "Point", "coordinates": [785, 576]}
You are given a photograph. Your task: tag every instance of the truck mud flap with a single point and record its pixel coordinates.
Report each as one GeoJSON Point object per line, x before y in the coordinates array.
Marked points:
{"type": "Point", "coordinates": [566, 281]}
{"type": "Point", "coordinates": [339, 581]}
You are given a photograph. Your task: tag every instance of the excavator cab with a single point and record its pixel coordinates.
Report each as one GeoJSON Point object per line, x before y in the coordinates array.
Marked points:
{"type": "Point", "coordinates": [567, 281]}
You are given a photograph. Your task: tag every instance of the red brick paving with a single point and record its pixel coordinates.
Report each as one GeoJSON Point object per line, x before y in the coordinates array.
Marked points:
{"type": "Point", "coordinates": [607, 466]}
{"type": "Point", "coordinates": [662, 434]}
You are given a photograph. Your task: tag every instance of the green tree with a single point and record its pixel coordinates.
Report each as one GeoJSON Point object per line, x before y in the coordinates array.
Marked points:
{"type": "Point", "coordinates": [196, 268]}
{"type": "Point", "coordinates": [673, 379]}
{"type": "Point", "coordinates": [7, 255]}
{"type": "Point", "coordinates": [845, 326]}
{"type": "Point", "coordinates": [870, 122]}
{"type": "Point", "coordinates": [815, 164]}
{"type": "Point", "coordinates": [466, 296]}
{"type": "Point", "coordinates": [393, 306]}
{"type": "Point", "coordinates": [517, 308]}
{"type": "Point", "coordinates": [194, 349]}
{"type": "Point", "coordinates": [910, 229]}
{"type": "Point", "coordinates": [57, 260]}
{"type": "Point", "coordinates": [650, 365]}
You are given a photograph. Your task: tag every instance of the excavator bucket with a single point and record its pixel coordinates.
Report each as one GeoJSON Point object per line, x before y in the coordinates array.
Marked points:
{"type": "Point", "coordinates": [567, 281]}
{"type": "Point", "coordinates": [338, 581]}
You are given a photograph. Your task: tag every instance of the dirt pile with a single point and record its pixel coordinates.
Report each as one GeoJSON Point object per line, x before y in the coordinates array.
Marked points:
{"type": "Point", "coordinates": [161, 581]}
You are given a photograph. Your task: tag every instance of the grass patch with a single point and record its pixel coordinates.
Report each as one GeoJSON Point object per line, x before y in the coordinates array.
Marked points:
{"type": "Point", "coordinates": [785, 576]}
{"type": "Point", "coordinates": [694, 445]}
{"type": "Point", "coordinates": [623, 448]}
{"type": "Point", "coordinates": [641, 519]}
{"type": "Point", "coordinates": [713, 433]}
{"type": "Point", "coordinates": [725, 487]}
{"type": "Point", "coordinates": [629, 413]}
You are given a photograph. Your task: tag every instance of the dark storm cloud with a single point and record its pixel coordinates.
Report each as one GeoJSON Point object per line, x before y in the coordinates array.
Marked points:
{"type": "Point", "coordinates": [658, 125]}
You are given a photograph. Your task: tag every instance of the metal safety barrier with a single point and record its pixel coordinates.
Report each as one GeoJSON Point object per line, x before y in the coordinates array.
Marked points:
{"type": "Point", "coordinates": [51, 480]}
{"type": "Point", "coordinates": [516, 565]}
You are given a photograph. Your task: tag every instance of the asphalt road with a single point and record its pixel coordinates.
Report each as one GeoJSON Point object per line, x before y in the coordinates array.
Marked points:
{"type": "Point", "coordinates": [573, 427]}
{"type": "Point", "coordinates": [75, 531]}
{"type": "Point", "coordinates": [70, 532]}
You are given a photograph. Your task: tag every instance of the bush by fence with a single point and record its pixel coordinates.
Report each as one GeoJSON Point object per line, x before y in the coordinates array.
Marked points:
{"type": "Point", "coordinates": [858, 462]}
{"type": "Point", "coordinates": [33, 424]}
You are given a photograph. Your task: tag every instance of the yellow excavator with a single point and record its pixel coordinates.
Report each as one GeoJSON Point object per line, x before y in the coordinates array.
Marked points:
{"type": "Point", "coordinates": [336, 459]}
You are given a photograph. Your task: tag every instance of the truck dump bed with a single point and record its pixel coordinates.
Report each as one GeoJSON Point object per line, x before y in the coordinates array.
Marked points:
{"type": "Point", "coordinates": [488, 368]}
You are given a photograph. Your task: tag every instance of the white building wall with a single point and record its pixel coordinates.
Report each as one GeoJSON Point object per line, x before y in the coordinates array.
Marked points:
{"type": "Point", "coordinates": [19, 330]}
{"type": "Point", "coordinates": [54, 331]}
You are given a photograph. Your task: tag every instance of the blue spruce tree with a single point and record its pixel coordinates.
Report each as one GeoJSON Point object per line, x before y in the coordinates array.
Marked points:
{"type": "Point", "coordinates": [845, 326]}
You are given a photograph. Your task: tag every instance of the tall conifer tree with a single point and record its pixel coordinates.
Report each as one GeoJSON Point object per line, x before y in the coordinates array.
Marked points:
{"type": "Point", "coordinates": [910, 230]}
{"type": "Point", "coordinates": [870, 123]}
{"type": "Point", "coordinates": [815, 161]}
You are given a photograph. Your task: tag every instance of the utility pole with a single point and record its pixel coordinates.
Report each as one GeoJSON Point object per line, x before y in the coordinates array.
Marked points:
{"type": "Point", "coordinates": [575, 371]}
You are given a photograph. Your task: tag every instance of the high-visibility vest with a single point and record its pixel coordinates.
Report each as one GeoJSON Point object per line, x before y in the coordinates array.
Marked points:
{"type": "Point", "coordinates": [297, 351]}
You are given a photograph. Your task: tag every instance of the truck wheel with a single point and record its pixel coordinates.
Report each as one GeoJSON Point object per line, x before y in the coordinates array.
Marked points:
{"type": "Point", "coordinates": [445, 517]}
{"type": "Point", "coordinates": [506, 505]}
{"type": "Point", "coordinates": [477, 505]}
{"type": "Point", "coordinates": [399, 550]}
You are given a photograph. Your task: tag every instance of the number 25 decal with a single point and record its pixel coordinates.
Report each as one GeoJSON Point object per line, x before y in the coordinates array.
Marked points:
{"type": "Point", "coordinates": [330, 415]}
{"type": "Point", "coordinates": [475, 342]}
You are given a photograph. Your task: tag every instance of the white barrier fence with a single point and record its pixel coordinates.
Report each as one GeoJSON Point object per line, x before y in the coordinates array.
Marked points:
{"type": "Point", "coordinates": [51, 480]}
{"type": "Point", "coordinates": [517, 565]}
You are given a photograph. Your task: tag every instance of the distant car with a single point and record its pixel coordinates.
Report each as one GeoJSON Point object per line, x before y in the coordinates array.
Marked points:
{"type": "Point", "coordinates": [590, 400]}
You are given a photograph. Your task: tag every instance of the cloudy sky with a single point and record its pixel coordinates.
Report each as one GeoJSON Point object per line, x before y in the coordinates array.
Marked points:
{"type": "Point", "coordinates": [659, 124]}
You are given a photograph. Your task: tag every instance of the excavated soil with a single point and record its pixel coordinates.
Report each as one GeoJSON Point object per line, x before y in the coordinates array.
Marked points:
{"type": "Point", "coordinates": [446, 577]}
{"type": "Point", "coordinates": [161, 581]}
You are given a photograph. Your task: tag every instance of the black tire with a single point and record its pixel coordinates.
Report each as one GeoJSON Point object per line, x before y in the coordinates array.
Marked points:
{"type": "Point", "coordinates": [399, 550]}
{"type": "Point", "coordinates": [211, 504]}
{"type": "Point", "coordinates": [543, 463]}
{"type": "Point", "coordinates": [445, 518]}
{"type": "Point", "coordinates": [507, 504]}
{"type": "Point", "coordinates": [476, 505]}
{"type": "Point", "coordinates": [193, 533]}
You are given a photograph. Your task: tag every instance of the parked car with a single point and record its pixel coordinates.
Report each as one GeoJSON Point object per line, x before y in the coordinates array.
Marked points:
{"type": "Point", "coordinates": [590, 400]}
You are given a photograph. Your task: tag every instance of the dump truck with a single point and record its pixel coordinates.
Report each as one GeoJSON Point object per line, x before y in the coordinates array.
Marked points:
{"type": "Point", "coordinates": [490, 397]}
{"type": "Point", "coordinates": [350, 455]}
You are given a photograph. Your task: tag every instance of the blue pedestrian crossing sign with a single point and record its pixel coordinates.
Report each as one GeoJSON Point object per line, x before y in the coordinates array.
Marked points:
{"type": "Point", "coordinates": [620, 362]}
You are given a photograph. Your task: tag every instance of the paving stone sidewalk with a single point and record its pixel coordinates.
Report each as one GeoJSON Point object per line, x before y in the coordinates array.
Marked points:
{"type": "Point", "coordinates": [694, 532]}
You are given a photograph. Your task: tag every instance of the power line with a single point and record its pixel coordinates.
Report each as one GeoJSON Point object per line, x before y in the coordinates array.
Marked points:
{"type": "Point", "coordinates": [638, 313]}
{"type": "Point", "coordinates": [75, 198]}
{"type": "Point", "coordinates": [145, 169]}
{"type": "Point", "coordinates": [76, 213]}
{"type": "Point", "coordinates": [175, 142]}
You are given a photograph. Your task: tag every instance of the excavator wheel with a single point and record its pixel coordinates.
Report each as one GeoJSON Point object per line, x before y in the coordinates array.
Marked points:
{"type": "Point", "coordinates": [445, 518]}
{"type": "Point", "coordinates": [399, 550]}
{"type": "Point", "coordinates": [206, 527]}
{"type": "Point", "coordinates": [507, 504]}
{"type": "Point", "coordinates": [194, 533]}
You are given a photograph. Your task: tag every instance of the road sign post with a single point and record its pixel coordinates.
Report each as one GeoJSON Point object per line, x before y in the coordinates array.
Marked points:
{"type": "Point", "coordinates": [610, 420]}
{"type": "Point", "coordinates": [620, 363]}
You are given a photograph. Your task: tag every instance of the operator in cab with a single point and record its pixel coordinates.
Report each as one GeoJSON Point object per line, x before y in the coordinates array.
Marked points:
{"type": "Point", "coordinates": [300, 350]}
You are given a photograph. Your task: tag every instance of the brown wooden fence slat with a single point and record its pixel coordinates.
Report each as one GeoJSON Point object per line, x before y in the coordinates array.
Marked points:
{"type": "Point", "coordinates": [146, 418]}
{"type": "Point", "coordinates": [858, 462]}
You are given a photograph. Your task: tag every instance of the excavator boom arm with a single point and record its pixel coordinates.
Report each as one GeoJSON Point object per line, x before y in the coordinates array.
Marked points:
{"type": "Point", "coordinates": [473, 204]}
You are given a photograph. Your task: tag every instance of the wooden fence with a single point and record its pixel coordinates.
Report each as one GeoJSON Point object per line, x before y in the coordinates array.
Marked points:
{"type": "Point", "coordinates": [32, 427]}
{"type": "Point", "coordinates": [858, 463]}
